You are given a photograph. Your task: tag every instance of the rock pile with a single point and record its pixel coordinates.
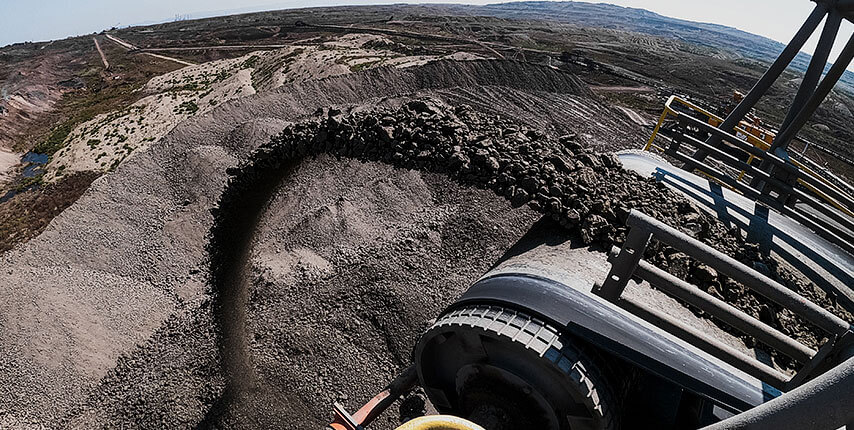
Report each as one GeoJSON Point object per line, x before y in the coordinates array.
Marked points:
{"type": "Point", "coordinates": [588, 193]}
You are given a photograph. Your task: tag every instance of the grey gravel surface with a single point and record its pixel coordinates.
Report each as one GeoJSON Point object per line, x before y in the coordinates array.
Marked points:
{"type": "Point", "coordinates": [96, 311]}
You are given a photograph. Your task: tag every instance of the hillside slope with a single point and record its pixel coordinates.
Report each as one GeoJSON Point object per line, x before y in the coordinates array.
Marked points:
{"type": "Point", "coordinates": [716, 37]}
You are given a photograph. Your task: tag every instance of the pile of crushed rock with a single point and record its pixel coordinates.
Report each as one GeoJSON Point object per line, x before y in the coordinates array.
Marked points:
{"type": "Point", "coordinates": [586, 192]}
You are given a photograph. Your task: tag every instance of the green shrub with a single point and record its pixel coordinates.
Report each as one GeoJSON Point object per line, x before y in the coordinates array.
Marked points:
{"type": "Point", "coordinates": [55, 141]}
{"type": "Point", "coordinates": [189, 107]}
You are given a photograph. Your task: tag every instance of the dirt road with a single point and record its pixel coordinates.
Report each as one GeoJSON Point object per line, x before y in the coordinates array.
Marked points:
{"type": "Point", "coordinates": [622, 89]}
{"type": "Point", "coordinates": [120, 42]}
{"type": "Point", "coordinates": [634, 116]}
{"type": "Point", "coordinates": [101, 53]}
{"type": "Point", "coordinates": [127, 45]}
{"type": "Point", "coordinates": [213, 47]}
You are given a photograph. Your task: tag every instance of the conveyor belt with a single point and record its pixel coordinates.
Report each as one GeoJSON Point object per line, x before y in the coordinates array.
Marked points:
{"type": "Point", "coordinates": [822, 262]}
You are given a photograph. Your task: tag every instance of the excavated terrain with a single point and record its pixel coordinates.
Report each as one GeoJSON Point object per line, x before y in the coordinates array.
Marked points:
{"type": "Point", "coordinates": [294, 252]}
{"type": "Point", "coordinates": [106, 316]}
{"type": "Point", "coordinates": [284, 250]}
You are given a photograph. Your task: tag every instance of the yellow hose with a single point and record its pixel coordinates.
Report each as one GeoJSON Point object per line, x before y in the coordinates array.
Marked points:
{"type": "Point", "coordinates": [439, 422]}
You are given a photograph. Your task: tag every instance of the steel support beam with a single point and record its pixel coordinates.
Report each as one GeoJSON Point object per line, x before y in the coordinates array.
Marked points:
{"type": "Point", "coordinates": [807, 93]}
{"type": "Point", "coordinates": [815, 69]}
{"type": "Point", "coordinates": [768, 79]}
{"type": "Point", "coordinates": [824, 88]}
{"type": "Point", "coordinates": [624, 265]}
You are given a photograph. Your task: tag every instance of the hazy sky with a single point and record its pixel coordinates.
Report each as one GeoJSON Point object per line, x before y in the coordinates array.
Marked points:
{"type": "Point", "coordinates": [37, 20]}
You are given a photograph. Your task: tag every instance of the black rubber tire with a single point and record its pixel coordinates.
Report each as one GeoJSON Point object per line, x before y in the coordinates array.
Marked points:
{"type": "Point", "coordinates": [534, 344]}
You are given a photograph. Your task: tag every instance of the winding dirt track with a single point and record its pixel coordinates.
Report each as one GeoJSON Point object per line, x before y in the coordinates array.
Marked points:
{"type": "Point", "coordinates": [212, 47]}
{"type": "Point", "coordinates": [131, 47]}
{"type": "Point", "coordinates": [101, 53]}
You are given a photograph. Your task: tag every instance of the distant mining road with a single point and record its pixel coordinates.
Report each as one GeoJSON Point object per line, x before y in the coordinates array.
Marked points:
{"type": "Point", "coordinates": [213, 47]}
{"type": "Point", "coordinates": [129, 46]}
{"type": "Point", "coordinates": [101, 52]}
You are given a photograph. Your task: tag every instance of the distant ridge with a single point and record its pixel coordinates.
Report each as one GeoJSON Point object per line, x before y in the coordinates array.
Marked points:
{"type": "Point", "coordinates": [604, 15]}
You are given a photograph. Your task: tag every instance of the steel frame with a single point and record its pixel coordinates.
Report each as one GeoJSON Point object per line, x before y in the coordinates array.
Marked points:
{"type": "Point", "coordinates": [775, 174]}
{"type": "Point", "coordinates": [628, 263]}
{"type": "Point", "coordinates": [811, 92]}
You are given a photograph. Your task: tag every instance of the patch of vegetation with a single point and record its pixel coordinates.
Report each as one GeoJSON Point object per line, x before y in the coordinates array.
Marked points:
{"type": "Point", "coordinates": [362, 66]}
{"type": "Point", "coordinates": [25, 215]}
{"type": "Point", "coordinates": [264, 74]}
{"type": "Point", "coordinates": [99, 95]}
{"type": "Point", "coordinates": [192, 86]}
{"type": "Point", "coordinates": [55, 140]}
{"type": "Point", "coordinates": [221, 76]}
{"type": "Point", "coordinates": [116, 163]}
{"type": "Point", "coordinates": [205, 94]}
{"type": "Point", "coordinates": [250, 62]}
{"type": "Point", "coordinates": [27, 183]}
{"type": "Point", "coordinates": [93, 143]}
{"type": "Point", "coordinates": [188, 107]}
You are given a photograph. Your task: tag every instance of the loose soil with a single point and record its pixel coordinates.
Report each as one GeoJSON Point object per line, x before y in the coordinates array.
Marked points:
{"type": "Point", "coordinates": [442, 169]}
{"type": "Point", "coordinates": [139, 233]}
{"type": "Point", "coordinates": [26, 215]}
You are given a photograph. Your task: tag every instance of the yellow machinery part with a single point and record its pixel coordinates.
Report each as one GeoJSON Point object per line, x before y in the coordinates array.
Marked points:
{"type": "Point", "coordinates": [757, 137]}
{"type": "Point", "coordinates": [439, 422]}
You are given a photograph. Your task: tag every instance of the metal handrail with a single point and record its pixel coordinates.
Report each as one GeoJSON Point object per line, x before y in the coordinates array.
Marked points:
{"type": "Point", "coordinates": [824, 229]}
{"type": "Point", "coordinates": [756, 149]}
{"type": "Point", "coordinates": [750, 278]}
{"type": "Point", "coordinates": [847, 222]}
{"type": "Point", "coordinates": [627, 262]}
{"type": "Point", "coordinates": [721, 310]}
{"type": "Point", "coordinates": [698, 338]}
{"type": "Point", "coordinates": [837, 227]}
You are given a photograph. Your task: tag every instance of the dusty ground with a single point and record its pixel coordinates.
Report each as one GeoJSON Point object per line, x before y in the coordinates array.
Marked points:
{"type": "Point", "coordinates": [108, 318]}
{"type": "Point", "coordinates": [140, 232]}
{"type": "Point", "coordinates": [349, 264]}
{"type": "Point", "coordinates": [103, 142]}
{"type": "Point", "coordinates": [26, 214]}
{"type": "Point", "coordinates": [8, 160]}
{"type": "Point", "coordinates": [32, 81]}
{"type": "Point", "coordinates": [343, 272]}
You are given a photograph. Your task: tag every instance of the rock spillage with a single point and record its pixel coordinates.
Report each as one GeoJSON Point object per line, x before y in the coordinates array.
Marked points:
{"type": "Point", "coordinates": [586, 192]}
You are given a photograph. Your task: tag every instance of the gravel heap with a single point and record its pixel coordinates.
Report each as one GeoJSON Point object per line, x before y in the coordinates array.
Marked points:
{"type": "Point", "coordinates": [134, 245]}
{"type": "Point", "coordinates": [586, 192]}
